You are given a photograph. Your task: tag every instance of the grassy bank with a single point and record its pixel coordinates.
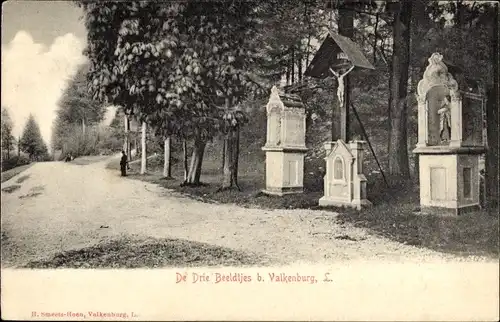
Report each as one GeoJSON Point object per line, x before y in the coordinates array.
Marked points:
{"type": "Point", "coordinates": [7, 175]}
{"type": "Point", "coordinates": [85, 160]}
{"type": "Point", "coordinates": [133, 252]}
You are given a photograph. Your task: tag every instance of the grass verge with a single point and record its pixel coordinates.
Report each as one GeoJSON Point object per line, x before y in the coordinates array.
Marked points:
{"type": "Point", "coordinates": [7, 175]}
{"type": "Point", "coordinates": [128, 252]}
{"type": "Point", "coordinates": [86, 160]}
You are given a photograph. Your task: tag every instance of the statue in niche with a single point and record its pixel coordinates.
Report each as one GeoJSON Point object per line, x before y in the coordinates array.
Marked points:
{"type": "Point", "coordinates": [445, 120]}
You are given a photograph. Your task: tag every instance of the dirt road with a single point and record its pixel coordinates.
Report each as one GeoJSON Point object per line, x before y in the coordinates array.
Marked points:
{"type": "Point", "coordinates": [55, 207]}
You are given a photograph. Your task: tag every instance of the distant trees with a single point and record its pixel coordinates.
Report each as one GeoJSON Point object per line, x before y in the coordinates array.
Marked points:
{"type": "Point", "coordinates": [8, 139]}
{"type": "Point", "coordinates": [32, 142]}
{"type": "Point", "coordinates": [76, 112]}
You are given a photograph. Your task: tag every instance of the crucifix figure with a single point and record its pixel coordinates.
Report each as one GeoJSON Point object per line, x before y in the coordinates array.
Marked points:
{"type": "Point", "coordinates": [340, 87]}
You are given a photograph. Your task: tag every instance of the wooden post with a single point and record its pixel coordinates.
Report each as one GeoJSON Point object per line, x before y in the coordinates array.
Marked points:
{"type": "Point", "coordinates": [346, 28]}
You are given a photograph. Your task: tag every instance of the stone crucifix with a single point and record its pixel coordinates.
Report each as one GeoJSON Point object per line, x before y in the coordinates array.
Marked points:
{"type": "Point", "coordinates": [340, 87]}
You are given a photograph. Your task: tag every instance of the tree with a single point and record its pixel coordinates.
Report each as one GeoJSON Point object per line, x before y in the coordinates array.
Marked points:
{"type": "Point", "coordinates": [31, 140]}
{"type": "Point", "coordinates": [233, 120]}
{"type": "Point", "coordinates": [167, 164]}
{"type": "Point", "coordinates": [171, 64]}
{"type": "Point", "coordinates": [76, 107]}
{"type": "Point", "coordinates": [398, 103]}
{"type": "Point", "coordinates": [8, 139]}
{"type": "Point", "coordinates": [492, 116]}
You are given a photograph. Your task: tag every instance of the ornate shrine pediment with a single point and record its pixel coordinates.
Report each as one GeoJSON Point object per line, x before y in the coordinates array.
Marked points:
{"type": "Point", "coordinates": [340, 148]}
{"type": "Point", "coordinates": [437, 74]}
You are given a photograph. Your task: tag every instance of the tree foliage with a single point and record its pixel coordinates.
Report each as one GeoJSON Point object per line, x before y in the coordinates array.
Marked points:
{"type": "Point", "coordinates": [8, 139]}
{"type": "Point", "coordinates": [31, 140]}
{"type": "Point", "coordinates": [76, 109]}
{"type": "Point", "coordinates": [173, 65]}
{"type": "Point", "coordinates": [170, 64]}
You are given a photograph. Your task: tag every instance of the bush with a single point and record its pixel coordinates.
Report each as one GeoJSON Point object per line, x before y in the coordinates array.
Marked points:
{"type": "Point", "coordinates": [109, 141]}
{"type": "Point", "coordinates": [14, 161]}
{"type": "Point", "coordinates": [96, 141]}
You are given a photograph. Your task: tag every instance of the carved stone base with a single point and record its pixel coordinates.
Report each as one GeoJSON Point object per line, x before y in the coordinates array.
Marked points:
{"type": "Point", "coordinates": [448, 212]}
{"type": "Point", "coordinates": [449, 181]}
{"type": "Point", "coordinates": [277, 191]}
{"type": "Point", "coordinates": [284, 172]}
{"type": "Point", "coordinates": [356, 204]}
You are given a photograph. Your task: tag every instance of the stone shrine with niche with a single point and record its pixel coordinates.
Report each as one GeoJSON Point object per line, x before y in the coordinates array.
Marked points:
{"type": "Point", "coordinates": [285, 144]}
{"type": "Point", "coordinates": [344, 182]}
{"type": "Point", "coordinates": [450, 140]}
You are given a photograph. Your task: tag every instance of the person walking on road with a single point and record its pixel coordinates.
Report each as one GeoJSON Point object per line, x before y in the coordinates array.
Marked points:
{"type": "Point", "coordinates": [123, 164]}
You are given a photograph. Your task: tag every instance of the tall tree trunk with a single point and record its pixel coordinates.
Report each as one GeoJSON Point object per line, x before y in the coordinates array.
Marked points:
{"type": "Point", "coordinates": [491, 163]}
{"type": "Point", "coordinates": [398, 141]}
{"type": "Point", "coordinates": [167, 166]}
{"type": "Point", "coordinates": [227, 171]}
{"type": "Point", "coordinates": [83, 126]}
{"type": "Point", "coordinates": [224, 143]}
{"type": "Point", "coordinates": [185, 159]}
{"type": "Point", "coordinates": [236, 155]}
{"type": "Point", "coordinates": [299, 65]}
{"type": "Point", "coordinates": [127, 143]}
{"type": "Point", "coordinates": [308, 50]}
{"type": "Point", "coordinates": [143, 149]}
{"type": "Point", "coordinates": [19, 147]}
{"type": "Point", "coordinates": [308, 15]}
{"type": "Point", "coordinates": [375, 42]}
{"type": "Point", "coordinates": [136, 147]}
{"type": "Point", "coordinates": [292, 65]}
{"type": "Point", "coordinates": [288, 73]}
{"type": "Point", "coordinates": [194, 174]}
{"type": "Point", "coordinates": [200, 148]}
{"type": "Point", "coordinates": [231, 159]}
{"type": "Point", "coordinates": [230, 156]}
{"type": "Point", "coordinates": [461, 12]}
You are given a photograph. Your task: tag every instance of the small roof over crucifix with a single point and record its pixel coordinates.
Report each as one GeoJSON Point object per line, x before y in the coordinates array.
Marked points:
{"type": "Point", "coordinates": [336, 52]}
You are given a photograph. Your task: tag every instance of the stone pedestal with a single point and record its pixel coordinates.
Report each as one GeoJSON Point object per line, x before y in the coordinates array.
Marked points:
{"type": "Point", "coordinates": [449, 183]}
{"type": "Point", "coordinates": [344, 182]}
{"type": "Point", "coordinates": [285, 145]}
{"type": "Point", "coordinates": [450, 142]}
{"type": "Point", "coordinates": [284, 171]}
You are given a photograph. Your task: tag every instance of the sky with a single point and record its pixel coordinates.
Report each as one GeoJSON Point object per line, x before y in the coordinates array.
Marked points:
{"type": "Point", "coordinates": [42, 47]}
